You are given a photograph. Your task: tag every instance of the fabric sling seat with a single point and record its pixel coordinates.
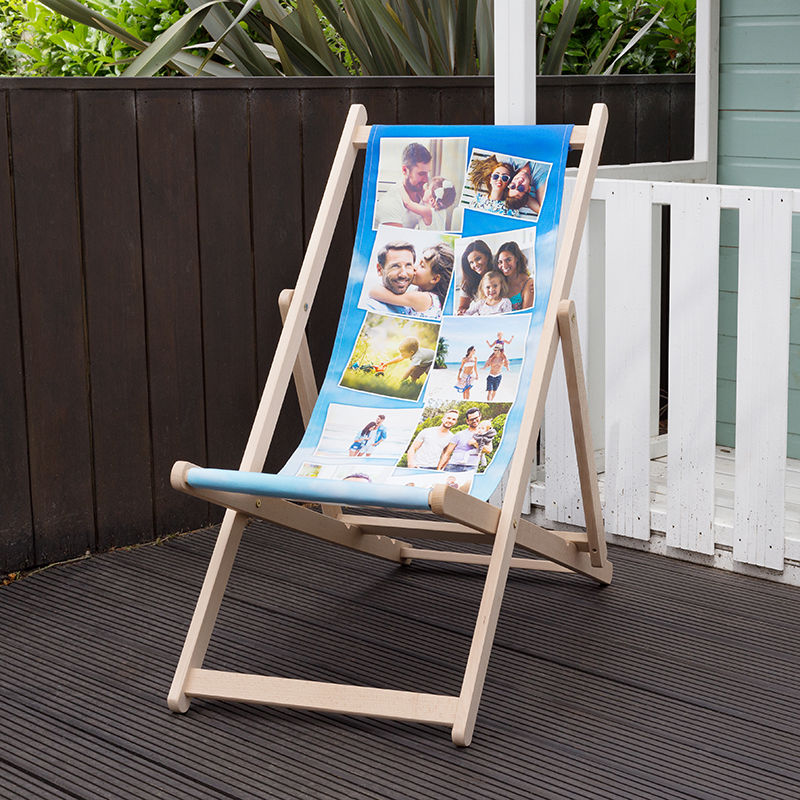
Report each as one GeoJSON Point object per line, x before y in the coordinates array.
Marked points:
{"type": "Point", "coordinates": [456, 247]}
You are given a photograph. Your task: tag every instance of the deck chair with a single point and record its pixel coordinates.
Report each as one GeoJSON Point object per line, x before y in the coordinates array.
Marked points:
{"type": "Point", "coordinates": [381, 376]}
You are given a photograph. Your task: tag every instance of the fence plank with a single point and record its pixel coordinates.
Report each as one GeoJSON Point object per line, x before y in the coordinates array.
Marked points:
{"type": "Point", "coordinates": [762, 376]}
{"type": "Point", "coordinates": [278, 240]}
{"type": "Point", "coordinates": [226, 271]}
{"type": "Point", "coordinates": [115, 317]}
{"type": "Point", "coordinates": [627, 437]}
{"type": "Point", "coordinates": [562, 495]}
{"type": "Point", "coordinates": [694, 288]}
{"type": "Point", "coordinates": [172, 290]}
{"type": "Point", "coordinates": [51, 295]}
{"type": "Point", "coordinates": [16, 523]}
{"type": "Point", "coordinates": [322, 119]}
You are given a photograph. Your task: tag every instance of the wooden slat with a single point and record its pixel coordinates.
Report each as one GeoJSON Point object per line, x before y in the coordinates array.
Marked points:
{"type": "Point", "coordinates": [336, 698]}
{"type": "Point", "coordinates": [627, 407]}
{"type": "Point", "coordinates": [652, 109]}
{"type": "Point", "coordinates": [762, 358]}
{"type": "Point", "coordinates": [226, 270]}
{"type": "Point", "coordinates": [324, 113]}
{"type": "Point", "coordinates": [54, 346]}
{"type": "Point", "coordinates": [480, 559]}
{"type": "Point", "coordinates": [16, 523]}
{"type": "Point", "coordinates": [293, 516]}
{"type": "Point", "coordinates": [694, 288]}
{"type": "Point", "coordinates": [115, 317]}
{"type": "Point", "coordinates": [417, 105]}
{"type": "Point", "coordinates": [581, 431]}
{"type": "Point", "coordinates": [416, 528]}
{"type": "Point", "coordinates": [563, 502]}
{"type": "Point", "coordinates": [172, 296]}
{"type": "Point", "coordinates": [277, 213]}
{"type": "Point", "coordinates": [621, 138]}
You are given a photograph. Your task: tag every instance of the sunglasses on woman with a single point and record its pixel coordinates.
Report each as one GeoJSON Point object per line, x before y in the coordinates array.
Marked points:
{"type": "Point", "coordinates": [496, 176]}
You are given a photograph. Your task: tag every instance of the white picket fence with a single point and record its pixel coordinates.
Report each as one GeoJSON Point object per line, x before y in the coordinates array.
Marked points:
{"type": "Point", "coordinates": [702, 497]}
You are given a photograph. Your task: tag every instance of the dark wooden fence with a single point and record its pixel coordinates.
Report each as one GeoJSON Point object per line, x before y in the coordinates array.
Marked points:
{"type": "Point", "coordinates": [146, 230]}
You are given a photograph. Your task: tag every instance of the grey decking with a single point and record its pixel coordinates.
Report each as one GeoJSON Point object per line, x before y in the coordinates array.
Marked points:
{"type": "Point", "coordinates": [674, 682]}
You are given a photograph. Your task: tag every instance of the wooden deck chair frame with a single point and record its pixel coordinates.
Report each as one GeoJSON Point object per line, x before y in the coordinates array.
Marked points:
{"type": "Point", "coordinates": [461, 517]}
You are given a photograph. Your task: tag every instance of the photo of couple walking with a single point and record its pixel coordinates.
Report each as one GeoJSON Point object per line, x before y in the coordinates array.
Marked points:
{"type": "Point", "coordinates": [496, 273]}
{"type": "Point", "coordinates": [419, 183]}
{"type": "Point", "coordinates": [505, 185]}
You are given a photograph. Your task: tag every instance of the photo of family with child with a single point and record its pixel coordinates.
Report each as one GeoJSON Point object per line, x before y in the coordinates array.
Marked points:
{"type": "Point", "coordinates": [409, 273]}
{"type": "Point", "coordinates": [419, 183]}
{"type": "Point", "coordinates": [392, 356]}
{"type": "Point", "coordinates": [479, 358]}
{"type": "Point", "coordinates": [496, 273]}
{"type": "Point", "coordinates": [456, 437]}
{"type": "Point", "coordinates": [508, 186]}
{"type": "Point", "coordinates": [363, 432]}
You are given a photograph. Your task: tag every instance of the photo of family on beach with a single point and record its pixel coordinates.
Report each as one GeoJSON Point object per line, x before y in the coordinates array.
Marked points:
{"type": "Point", "coordinates": [496, 273]}
{"type": "Point", "coordinates": [392, 356]}
{"type": "Point", "coordinates": [509, 186]}
{"type": "Point", "coordinates": [479, 359]}
{"type": "Point", "coordinates": [364, 432]}
{"type": "Point", "coordinates": [419, 183]}
{"type": "Point", "coordinates": [409, 273]}
{"type": "Point", "coordinates": [456, 437]}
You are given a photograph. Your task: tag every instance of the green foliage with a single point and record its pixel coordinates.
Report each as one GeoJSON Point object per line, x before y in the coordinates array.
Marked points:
{"type": "Point", "coordinates": [334, 37]}
{"type": "Point", "coordinates": [441, 354]}
{"type": "Point", "coordinates": [602, 30]}
{"type": "Point", "coordinates": [391, 385]}
{"type": "Point", "coordinates": [36, 41]}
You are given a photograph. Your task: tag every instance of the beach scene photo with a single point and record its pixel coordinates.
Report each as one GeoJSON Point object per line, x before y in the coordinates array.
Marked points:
{"type": "Point", "coordinates": [366, 432]}
{"type": "Point", "coordinates": [479, 358]}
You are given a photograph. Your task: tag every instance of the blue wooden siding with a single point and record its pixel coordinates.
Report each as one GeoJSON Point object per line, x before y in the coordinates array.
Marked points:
{"type": "Point", "coordinates": [759, 145]}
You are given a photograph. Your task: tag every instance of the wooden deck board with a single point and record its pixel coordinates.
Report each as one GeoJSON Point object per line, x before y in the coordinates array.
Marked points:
{"type": "Point", "coordinates": [676, 681]}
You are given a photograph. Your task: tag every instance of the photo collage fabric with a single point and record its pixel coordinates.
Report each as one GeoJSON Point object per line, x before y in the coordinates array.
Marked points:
{"type": "Point", "coordinates": [447, 291]}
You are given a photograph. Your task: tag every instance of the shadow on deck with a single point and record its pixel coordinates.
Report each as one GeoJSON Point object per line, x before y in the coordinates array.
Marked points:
{"type": "Point", "coordinates": [677, 681]}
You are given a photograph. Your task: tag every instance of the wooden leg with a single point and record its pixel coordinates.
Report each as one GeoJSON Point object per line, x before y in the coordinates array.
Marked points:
{"type": "Point", "coordinates": [584, 449]}
{"type": "Point", "coordinates": [304, 383]}
{"type": "Point", "coordinates": [207, 608]}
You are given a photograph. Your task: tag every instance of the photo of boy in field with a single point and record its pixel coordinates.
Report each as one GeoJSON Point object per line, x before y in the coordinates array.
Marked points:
{"type": "Point", "coordinates": [392, 357]}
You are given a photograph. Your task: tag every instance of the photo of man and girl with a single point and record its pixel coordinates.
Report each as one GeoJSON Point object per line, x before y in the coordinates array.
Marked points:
{"type": "Point", "coordinates": [455, 437]}
{"type": "Point", "coordinates": [479, 359]}
{"type": "Point", "coordinates": [409, 273]}
{"type": "Point", "coordinates": [364, 432]}
{"type": "Point", "coordinates": [419, 182]}
{"type": "Point", "coordinates": [392, 356]}
{"type": "Point", "coordinates": [496, 273]}
{"type": "Point", "coordinates": [509, 186]}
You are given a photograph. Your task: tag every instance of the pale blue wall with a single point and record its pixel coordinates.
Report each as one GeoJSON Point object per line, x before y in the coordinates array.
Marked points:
{"type": "Point", "coordinates": [759, 145]}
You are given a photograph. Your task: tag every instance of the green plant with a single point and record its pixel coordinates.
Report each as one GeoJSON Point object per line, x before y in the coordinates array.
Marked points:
{"type": "Point", "coordinates": [337, 37]}
{"type": "Point", "coordinates": [35, 41]}
{"type": "Point", "coordinates": [329, 37]}
{"type": "Point", "coordinates": [441, 354]}
{"type": "Point", "coordinates": [603, 36]}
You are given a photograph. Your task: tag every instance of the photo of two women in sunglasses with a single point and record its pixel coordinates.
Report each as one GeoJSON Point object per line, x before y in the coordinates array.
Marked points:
{"type": "Point", "coordinates": [505, 185]}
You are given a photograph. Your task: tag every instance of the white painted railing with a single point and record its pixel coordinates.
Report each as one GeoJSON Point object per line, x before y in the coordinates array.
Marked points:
{"type": "Point", "coordinates": [619, 316]}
